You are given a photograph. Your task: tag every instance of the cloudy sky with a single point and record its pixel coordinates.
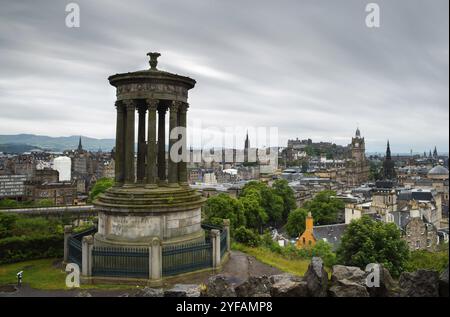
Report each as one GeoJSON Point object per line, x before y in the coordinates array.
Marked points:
{"type": "Point", "coordinates": [311, 68]}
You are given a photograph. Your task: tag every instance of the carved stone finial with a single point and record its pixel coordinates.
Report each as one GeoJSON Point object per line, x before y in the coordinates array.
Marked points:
{"type": "Point", "coordinates": [153, 59]}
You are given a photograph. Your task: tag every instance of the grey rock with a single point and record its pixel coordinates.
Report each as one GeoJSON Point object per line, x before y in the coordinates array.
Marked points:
{"type": "Point", "coordinates": [149, 292]}
{"type": "Point", "coordinates": [288, 285]}
{"type": "Point", "coordinates": [422, 283]}
{"type": "Point", "coordinates": [219, 286]}
{"type": "Point", "coordinates": [347, 288]}
{"type": "Point", "coordinates": [183, 290]}
{"type": "Point", "coordinates": [349, 273]}
{"type": "Point", "coordinates": [254, 287]}
{"type": "Point", "coordinates": [83, 294]}
{"type": "Point", "coordinates": [443, 284]}
{"type": "Point", "coordinates": [387, 287]}
{"type": "Point", "coordinates": [317, 278]}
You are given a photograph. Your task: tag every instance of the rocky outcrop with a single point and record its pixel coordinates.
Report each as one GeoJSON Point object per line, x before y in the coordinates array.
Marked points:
{"type": "Point", "coordinates": [288, 285]}
{"type": "Point", "coordinates": [317, 278]}
{"type": "Point", "coordinates": [348, 281]}
{"type": "Point", "coordinates": [83, 294]}
{"type": "Point", "coordinates": [387, 287]}
{"type": "Point", "coordinates": [443, 284]}
{"type": "Point", "coordinates": [183, 290]}
{"type": "Point", "coordinates": [351, 273]}
{"type": "Point", "coordinates": [219, 286]}
{"type": "Point", "coordinates": [255, 286]}
{"type": "Point", "coordinates": [422, 283]}
{"type": "Point", "coordinates": [149, 292]}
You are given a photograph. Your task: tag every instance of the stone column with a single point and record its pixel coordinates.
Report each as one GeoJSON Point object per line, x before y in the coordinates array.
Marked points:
{"type": "Point", "coordinates": [87, 244]}
{"type": "Point", "coordinates": [226, 226]}
{"type": "Point", "coordinates": [155, 260]}
{"type": "Point", "coordinates": [151, 146]}
{"type": "Point", "coordinates": [141, 145]}
{"type": "Point", "coordinates": [182, 165]}
{"type": "Point", "coordinates": [120, 138]}
{"type": "Point", "coordinates": [173, 123]}
{"type": "Point", "coordinates": [162, 144]}
{"type": "Point", "coordinates": [215, 240]}
{"type": "Point", "coordinates": [129, 143]}
{"type": "Point", "coordinates": [67, 233]}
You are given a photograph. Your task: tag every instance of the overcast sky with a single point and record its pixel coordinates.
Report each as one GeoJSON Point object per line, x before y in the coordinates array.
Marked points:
{"type": "Point", "coordinates": [311, 68]}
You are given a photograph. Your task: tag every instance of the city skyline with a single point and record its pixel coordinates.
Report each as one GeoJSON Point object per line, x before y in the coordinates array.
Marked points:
{"type": "Point", "coordinates": [313, 75]}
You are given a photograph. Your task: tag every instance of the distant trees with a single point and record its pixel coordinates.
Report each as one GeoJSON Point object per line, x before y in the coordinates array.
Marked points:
{"type": "Point", "coordinates": [368, 241]}
{"type": "Point", "coordinates": [281, 188]}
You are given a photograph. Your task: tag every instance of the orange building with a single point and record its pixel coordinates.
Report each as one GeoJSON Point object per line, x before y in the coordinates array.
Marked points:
{"type": "Point", "coordinates": [307, 238]}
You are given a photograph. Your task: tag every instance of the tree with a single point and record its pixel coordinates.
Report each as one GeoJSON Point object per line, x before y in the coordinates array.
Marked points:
{"type": "Point", "coordinates": [45, 202]}
{"type": "Point", "coordinates": [7, 222]}
{"type": "Point", "coordinates": [100, 187]}
{"type": "Point", "coordinates": [296, 222]}
{"type": "Point", "coordinates": [325, 207]}
{"type": "Point", "coordinates": [281, 188]}
{"type": "Point", "coordinates": [223, 206]}
{"type": "Point", "coordinates": [8, 203]}
{"type": "Point", "coordinates": [368, 241]}
{"type": "Point", "coordinates": [247, 237]}
{"type": "Point", "coordinates": [255, 215]}
{"type": "Point", "coordinates": [270, 202]}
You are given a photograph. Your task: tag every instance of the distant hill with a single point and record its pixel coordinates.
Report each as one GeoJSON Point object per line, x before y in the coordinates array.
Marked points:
{"type": "Point", "coordinates": [32, 141]}
{"type": "Point", "coordinates": [16, 148]}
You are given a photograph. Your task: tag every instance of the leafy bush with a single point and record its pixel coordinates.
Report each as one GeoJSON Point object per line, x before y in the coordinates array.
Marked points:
{"type": "Point", "coordinates": [247, 237]}
{"type": "Point", "coordinates": [422, 259]}
{"type": "Point", "coordinates": [100, 187]}
{"type": "Point", "coordinates": [15, 249]}
{"type": "Point", "coordinates": [7, 222]}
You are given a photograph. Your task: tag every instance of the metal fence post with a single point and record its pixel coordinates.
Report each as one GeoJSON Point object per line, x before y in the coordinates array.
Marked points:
{"type": "Point", "coordinates": [215, 240]}
{"type": "Point", "coordinates": [67, 232]}
{"type": "Point", "coordinates": [87, 245]}
{"type": "Point", "coordinates": [226, 226]}
{"type": "Point", "coordinates": [155, 261]}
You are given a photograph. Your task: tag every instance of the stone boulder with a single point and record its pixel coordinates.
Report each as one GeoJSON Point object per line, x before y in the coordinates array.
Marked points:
{"type": "Point", "coordinates": [219, 286]}
{"type": "Point", "coordinates": [386, 287]}
{"type": "Point", "coordinates": [183, 290]}
{"type": "Point", "coordinates": [84, 294]}
{"type": "Point", "coordinates": [348, 288]}
{"type": "Point", "coordinates": [317, 278]}
{"type": "Point", "coordinates": [443, 284]}
{"type": "Point", "coordinates": [149, 292]}
{"type": "Point", "coordinates": [350, 273]}
{"type": "Point", "coordinates": [288, 285]}
{"type": "Point", "coordinates": [254, 286]}
{"type": "Point", "coordinates": [422, 283]}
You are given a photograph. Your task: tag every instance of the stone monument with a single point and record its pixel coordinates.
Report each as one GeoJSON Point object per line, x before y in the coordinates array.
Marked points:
{"type": "Point", "coordinates": [151, 197]}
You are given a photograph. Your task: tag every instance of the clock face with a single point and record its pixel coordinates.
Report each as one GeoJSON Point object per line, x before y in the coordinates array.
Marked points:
{"type": "Point", "coordinates": [356, 144]}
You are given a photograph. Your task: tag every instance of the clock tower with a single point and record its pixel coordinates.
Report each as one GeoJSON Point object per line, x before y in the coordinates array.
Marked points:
{"type": "Point", "coordinates": [358, 147]}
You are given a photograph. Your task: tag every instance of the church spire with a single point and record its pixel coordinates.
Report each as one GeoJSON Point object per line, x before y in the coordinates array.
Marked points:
{"type": "Point", "coordinates": [80, 147]}
{"type": "Point", "coordinates": [388, 151]}
{"type": "Point", "coordinates": [358, 133]}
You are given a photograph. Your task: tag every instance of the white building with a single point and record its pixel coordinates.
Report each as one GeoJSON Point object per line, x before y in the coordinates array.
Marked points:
{"type": "Point", "coordinates": [63, 165]}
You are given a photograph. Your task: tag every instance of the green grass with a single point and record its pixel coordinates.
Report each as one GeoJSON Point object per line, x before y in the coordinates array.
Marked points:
{"type": "Point", "coordinates": [293, 266]}
{"type": "Point", "coordinates": [45, 274]}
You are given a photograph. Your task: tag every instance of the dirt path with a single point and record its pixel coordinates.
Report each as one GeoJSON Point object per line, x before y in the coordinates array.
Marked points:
{"type": "Point", "coordinates": [238, 268]}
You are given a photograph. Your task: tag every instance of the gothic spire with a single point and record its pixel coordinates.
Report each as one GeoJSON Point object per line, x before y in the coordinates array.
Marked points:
{"type": "Point", "coordinates": [388, 151]}
{"type": "Point", "coordinates": [80, 147]}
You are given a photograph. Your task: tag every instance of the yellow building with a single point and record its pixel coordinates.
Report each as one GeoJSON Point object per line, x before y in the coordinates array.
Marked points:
{"type": "Point", "coordinates": [307, 238]}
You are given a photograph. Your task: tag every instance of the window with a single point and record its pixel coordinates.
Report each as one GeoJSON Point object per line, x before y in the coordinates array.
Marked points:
{"type": "Point", "coordinates": [418, 244]}
{"type": "Point", "coordinates": [428, 243]}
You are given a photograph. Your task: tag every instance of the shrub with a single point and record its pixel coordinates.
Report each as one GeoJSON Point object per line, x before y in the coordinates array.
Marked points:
{"type": "Point", "coordinates": [247, 237]}
{"type": "Point", "coordinates": [16, 249]}
{"type": "Point", "coordinates": [422, 259]}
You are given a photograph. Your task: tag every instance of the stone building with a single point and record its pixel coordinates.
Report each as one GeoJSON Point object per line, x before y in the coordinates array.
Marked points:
{"type": "Point", "coordinates": [418, 232]}
{"type": "Point", "coordinates": [357, 167]}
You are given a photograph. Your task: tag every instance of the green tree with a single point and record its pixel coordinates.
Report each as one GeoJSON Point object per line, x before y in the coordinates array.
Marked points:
{"type": "Point", "coordinates": [270, 202]}
{"type": "Point", "coordinates": [325, 207]}
{"type": "Point", "coordinates": [255, 215]}
{"type": "Point", "coordinates": [7, 222]}
{"type": "Point", "coordinates": [296, 222]}
{"type": "Point", "coordinates": [247, 237]}
{"type": "Point", "coordinates": [100, 187]}
{"type": "Point", "coordinates": [8, 203]}
{"type": "Point", "coordinates": [368, 241]}
{"type": "Point", "coordinates": [44, 203]}
{"type": "Point", "coordinates": [281, 188]}
{"type": "Point", "coordinates": [223, 206]}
